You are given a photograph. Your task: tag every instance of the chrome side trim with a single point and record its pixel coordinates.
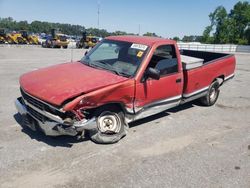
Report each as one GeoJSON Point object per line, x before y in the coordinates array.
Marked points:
{"type": "Point", "coordinates": [157, 107]}
{"type": "Point", "coordinates": [137, 109]}
{"type": "Point", "coordinates": [195, 92]}
{"type": "Point", "coordinates": [129, 110]}
{"type": "Point", "coordinates": [229, 77]}
{"type": "Point", "coordinates": [193, 97]}
{"type": "Point", "coordinates": [61, 110]}
{"type": "Point", "coordinates": [47, 114]}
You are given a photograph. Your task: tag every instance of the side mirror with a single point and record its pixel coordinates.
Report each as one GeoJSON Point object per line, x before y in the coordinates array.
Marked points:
{"type": "Point", "coordinates": [152, 73]}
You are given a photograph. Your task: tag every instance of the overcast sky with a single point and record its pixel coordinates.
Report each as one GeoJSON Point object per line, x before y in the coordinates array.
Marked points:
{"type": "Point", "coordinates": [167, 18]}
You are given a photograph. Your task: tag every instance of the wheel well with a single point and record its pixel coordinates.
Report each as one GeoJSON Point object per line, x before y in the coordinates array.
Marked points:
{"type": "Point", "coordinates": [220, 79]}
{"type": "Point", "coordinates": [113, 106]}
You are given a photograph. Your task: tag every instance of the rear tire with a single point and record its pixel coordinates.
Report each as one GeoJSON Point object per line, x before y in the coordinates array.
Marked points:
{"type": "Point", "coordinates": [212, 94]}
{"type": "Point", "coordinates": [111, 126]}
{"type": "Point", "coordinates": [44, 45]}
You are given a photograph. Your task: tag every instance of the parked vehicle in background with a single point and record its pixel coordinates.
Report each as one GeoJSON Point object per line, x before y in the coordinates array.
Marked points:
{"type": "Point", "coordinates": [21, 37]}
{"type": "Point", "coordinates": [28, 38]}
{"type": "Point", "coordinates": [56, 40]}
{"type": "Point", "coordinates": [87, 41]}
{"type": "Point", "coordinates": [3, 39]}
{"type": "Point", "coordinates": [10, 38]}
{"type": "Point", "coordinates": [42, 39]}
{"type": "Point", "coordinates": [122, 79]}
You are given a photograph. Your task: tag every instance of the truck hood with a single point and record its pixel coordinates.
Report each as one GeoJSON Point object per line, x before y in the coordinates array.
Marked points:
{"type": "Point", "coordinates": [58, 83]}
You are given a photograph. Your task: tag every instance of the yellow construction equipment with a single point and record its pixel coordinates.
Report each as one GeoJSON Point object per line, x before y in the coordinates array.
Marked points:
{"type": "Point", "coordinates": [29, 39]}
{"type": "Point", "coordinates": [2, 36]}
{"type": "Point", "coordinates": [13, 38]}
{"type": "Point", "coordinates": [21, 37]}
{"type": "Point", "coordinates": [57, 40]}
{"type": "Point", "coordinates": [87, 41]}
{"type": "Point", "coordinates": [8, 38]}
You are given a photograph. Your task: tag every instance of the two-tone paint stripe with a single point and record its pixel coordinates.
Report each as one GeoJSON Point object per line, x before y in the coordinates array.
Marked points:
{"type": "Point", "coordinates": [157, 107]}
{"type": "Point", "coordinates": [196, 92]}
{"type": "Point", "coordinates": [160, 102]}
{"type": "Point", "coordinates": [229, 77]}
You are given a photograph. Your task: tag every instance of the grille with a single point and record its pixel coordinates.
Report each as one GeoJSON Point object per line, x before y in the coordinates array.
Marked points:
{"type": "Point", "coordinates": [42, 106]}
{"type": "Point", "coordinates": [37, 115]}
{"type": "Point", "coordinates": [33, 101]}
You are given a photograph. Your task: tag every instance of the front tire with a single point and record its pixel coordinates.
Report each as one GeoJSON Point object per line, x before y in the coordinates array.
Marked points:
{"type": "Point", "coordinates": [111, 126]}
{"type": "Point", "coordinates": [212, 94]}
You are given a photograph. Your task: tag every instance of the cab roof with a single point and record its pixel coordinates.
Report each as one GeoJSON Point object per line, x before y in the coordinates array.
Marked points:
{"type": "Point", "coordinates": [149, 41]}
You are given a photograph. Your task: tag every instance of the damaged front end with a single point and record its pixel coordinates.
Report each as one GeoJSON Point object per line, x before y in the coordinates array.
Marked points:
{"type": "Point", "coordinates": [50, 120]}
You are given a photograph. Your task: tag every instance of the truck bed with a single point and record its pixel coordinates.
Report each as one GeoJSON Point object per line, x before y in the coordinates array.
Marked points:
{"type": "Point", "coordinates": [198, 80]}
{"type": "Point", "coordinates": [206, 56]}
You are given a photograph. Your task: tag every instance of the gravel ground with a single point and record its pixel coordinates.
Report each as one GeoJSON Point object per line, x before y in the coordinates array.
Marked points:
{"type": "Point", "coordinates": [189, 146]}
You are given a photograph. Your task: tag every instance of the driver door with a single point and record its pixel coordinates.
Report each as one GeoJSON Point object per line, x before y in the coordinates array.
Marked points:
{"type": "Point", "coordinates": [154, 96]}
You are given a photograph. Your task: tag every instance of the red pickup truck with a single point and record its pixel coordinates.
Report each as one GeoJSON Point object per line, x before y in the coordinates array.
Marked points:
{"type": "Point", "coordinates": [122, 79]}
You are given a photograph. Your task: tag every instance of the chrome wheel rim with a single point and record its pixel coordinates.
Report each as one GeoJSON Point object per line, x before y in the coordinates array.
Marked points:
{"type": "Point", "coordinates": [109, 122]}
{"type": "Point", "coordinates": [213, 94]}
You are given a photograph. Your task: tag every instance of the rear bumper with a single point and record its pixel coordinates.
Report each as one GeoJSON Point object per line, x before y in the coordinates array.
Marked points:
{"type": "Point", "coordinates": [52, 128]}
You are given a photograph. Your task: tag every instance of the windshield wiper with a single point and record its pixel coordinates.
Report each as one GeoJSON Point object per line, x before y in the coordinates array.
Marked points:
{"type": "Point", "coordinates": [112, 69]}
{"type": "Point", "coordinates": [92, 65]}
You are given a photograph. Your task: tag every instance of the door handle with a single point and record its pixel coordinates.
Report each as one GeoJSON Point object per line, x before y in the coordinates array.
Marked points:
{"type": "Point", "coordinates": [178, 80]}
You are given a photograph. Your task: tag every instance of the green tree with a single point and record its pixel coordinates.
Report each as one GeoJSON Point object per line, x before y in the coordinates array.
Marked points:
{"type": "Point", "coordinates": [206, 37]}
{"type": "Point", "coordinates": [229, 28]}
{"type": "Point", "coordinates": [150, 34]}
{"type": "Point", "coordinates": [240, 14]}
{"type": "Point", "coordinates": [45, 27]}
{"type": "Point", "coordinates": [23, 25]}
{"type": "Point", "coordinates": [192, 38]}
{"type": "Point", "coordinates": [247, 34]}
{"type": "Point", "coordinates": [219, 20]}
{"type": "Point", "coordinates": [176, 38]}
{"type": "Point", "coordinates": [119, 33]}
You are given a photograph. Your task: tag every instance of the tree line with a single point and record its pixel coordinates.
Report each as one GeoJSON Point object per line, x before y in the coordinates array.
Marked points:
{"type": "Point", "coordinates": [232, 27]}
{"type": "Point", "coordinates": [225, 27]}
{"type": "Point", "coordinates": [45, 27]}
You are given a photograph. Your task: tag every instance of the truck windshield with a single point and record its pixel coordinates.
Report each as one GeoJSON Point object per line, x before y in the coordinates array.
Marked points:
{"type": "Point", "coordinates": [119, 57]}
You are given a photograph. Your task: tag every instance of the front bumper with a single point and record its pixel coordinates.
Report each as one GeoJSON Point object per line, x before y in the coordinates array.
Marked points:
{"type": "Point", "coordinates": [52, 128]}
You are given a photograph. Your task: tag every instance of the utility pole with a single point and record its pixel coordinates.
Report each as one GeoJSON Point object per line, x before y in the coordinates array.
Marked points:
{"type": "Point", "coordinates": [98, 15]}
{"type": "Point", "coordinates": [139, 30]}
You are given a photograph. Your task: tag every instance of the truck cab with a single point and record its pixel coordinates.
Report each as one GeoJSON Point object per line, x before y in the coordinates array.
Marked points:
{"type": "Point", "coordinates": [120, 80]}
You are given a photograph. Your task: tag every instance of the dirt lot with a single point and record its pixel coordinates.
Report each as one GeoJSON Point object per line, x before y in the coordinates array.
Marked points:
{"type": "Point", "coordinates": [190, 146]}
